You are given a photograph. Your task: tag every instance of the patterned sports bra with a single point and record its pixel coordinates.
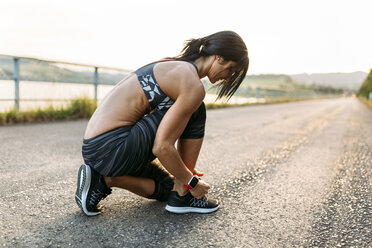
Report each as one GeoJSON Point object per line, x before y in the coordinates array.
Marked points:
{"type": "Point", "coordinates": [157, 98]}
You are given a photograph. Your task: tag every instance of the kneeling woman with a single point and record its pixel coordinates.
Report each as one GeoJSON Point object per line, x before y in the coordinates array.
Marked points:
{"type": "Point", "coordinates": [145, 114]}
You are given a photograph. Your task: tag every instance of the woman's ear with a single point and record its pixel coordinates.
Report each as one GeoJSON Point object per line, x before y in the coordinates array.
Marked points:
{"type": "Point", "coordinates": [220, 59]}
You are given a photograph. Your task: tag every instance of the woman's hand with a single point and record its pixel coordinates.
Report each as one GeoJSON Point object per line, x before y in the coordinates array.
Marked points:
{"type": "Point", "coordinates": [200, 190]}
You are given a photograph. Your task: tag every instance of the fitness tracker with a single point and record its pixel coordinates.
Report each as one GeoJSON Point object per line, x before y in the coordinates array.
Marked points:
{"type": "Point", "coordinates": [192, 183]}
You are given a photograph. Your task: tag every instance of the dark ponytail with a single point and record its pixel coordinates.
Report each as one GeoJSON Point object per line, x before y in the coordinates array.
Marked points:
{"type": "Point", "coordinates": [191, 50]}
{"type": "Point", "coordinates": [226, 44]}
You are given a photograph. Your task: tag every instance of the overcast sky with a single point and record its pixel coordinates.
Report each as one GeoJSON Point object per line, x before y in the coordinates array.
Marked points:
{"type": "Point", "coordinates": [282, 36]}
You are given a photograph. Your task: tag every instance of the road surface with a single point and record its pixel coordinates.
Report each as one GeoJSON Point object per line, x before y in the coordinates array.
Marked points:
{"type": "Point", "coordinates": [287, 175]}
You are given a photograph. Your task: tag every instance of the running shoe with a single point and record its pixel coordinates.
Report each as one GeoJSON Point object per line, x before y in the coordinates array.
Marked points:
{"type": "Point", "coordinates": [189, 204]}
{"type": "Point", "coordinates": [91, 189]}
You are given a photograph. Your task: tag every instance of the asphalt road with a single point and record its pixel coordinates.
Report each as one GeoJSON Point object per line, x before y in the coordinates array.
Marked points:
{"type": "Point", "coordinates": [287, 175]}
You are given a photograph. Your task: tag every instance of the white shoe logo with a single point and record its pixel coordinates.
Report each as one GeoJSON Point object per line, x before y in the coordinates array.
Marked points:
{"type": "Point", "coordinates": [81, 180]}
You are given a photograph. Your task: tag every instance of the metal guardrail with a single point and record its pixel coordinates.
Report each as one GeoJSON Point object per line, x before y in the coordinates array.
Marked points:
{"type": "Point", "coordinates": [16, 75]}
{"type": "Point", "coordinates": [257, 92]}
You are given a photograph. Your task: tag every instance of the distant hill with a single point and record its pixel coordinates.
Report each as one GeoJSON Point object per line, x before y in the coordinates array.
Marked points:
{"type": "Point", "coordinates": [48, 72]}
{"type": "Point", "coordinates": [272, 81]}
{"type": "Point", "coordinates": [351, 81]}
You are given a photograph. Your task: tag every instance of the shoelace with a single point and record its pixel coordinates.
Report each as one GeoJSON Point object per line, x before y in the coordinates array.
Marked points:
{"type": "Point", "coordinates": [96, 196]}
{"type": "Point", "coordinates": [203, 202]}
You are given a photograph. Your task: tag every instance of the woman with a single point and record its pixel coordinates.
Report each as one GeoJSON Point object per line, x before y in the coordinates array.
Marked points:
{"type": "Point", "coordinates": [145, 114]}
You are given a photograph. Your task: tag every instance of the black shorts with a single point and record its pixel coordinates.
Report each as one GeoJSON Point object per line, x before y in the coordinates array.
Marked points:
{"type": "Point", "coordinates": [124, 150]}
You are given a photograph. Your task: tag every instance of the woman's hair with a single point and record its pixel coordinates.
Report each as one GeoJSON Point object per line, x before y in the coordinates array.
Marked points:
{"type": "Point", "coordinates": [226, 44]}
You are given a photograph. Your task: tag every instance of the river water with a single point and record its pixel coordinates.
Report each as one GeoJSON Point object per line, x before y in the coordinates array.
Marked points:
{"type": "Point", "coordinates": [42, 94]}
{"type": "Point", "coordinates": [35, 95]}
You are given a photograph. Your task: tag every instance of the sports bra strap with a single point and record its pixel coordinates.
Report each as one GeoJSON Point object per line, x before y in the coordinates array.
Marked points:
{"type": "Point", "coordinates": [195, 66]}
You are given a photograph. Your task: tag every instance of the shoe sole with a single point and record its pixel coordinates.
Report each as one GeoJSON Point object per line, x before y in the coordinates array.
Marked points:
{"type": "Point", "coordinates": [83, 185]}
{"type": "Point", "coordinates": [184, 210]}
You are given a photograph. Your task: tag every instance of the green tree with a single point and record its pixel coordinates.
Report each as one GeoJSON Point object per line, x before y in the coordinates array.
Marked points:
{"type": "Point", "coordinates": [366, 87]}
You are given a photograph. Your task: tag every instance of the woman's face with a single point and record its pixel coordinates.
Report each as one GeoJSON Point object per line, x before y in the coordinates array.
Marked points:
{"type": "Point", "coordinates": [221, 69]}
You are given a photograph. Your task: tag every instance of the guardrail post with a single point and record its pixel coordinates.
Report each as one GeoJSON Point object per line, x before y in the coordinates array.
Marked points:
{"type": "Point", "coordinates": [16, 84]}
{"type": "Point", "coordinates": [95, 84]}
{"type": "Point", "coordinates": [258, 93]}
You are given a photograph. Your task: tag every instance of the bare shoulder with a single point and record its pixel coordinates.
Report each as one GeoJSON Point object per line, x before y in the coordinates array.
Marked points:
{"type": "Point", "coordinates": [177, 77]}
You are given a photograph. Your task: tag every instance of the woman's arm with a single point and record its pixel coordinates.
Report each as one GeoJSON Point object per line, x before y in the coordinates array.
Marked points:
{"type": "Point", "coordinates": [190, 96]}
{"type": "Point", "coordinates": [170, 129]}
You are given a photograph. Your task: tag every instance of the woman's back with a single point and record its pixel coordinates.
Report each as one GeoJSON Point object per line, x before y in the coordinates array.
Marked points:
{"type": "Point", "coordinates": [129, 100]}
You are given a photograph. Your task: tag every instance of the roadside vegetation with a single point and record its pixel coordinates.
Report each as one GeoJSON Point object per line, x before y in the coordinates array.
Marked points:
{"type": "Point", "coordinates": [81, 108]}
{"type": "Point", "coordinates": [366, 102]}
{"type": "Point", "coordinates": [365, 90]}
{"type": "Point", "coordinates": [267, 101]}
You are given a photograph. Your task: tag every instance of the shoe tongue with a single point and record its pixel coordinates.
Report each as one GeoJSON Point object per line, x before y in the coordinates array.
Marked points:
{"type": "Point", "coordinates": [190, 196]}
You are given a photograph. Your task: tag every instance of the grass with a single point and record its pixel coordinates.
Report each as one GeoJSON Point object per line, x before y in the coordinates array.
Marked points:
{"type": "Point", "coordinates": [268, 101]}
{"type": "Point", "coordinates": [80, 108]}
{"type": "Point", "coordinates": [83, 108]}
{"type": "Point", "coordinates": [366, 102]}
